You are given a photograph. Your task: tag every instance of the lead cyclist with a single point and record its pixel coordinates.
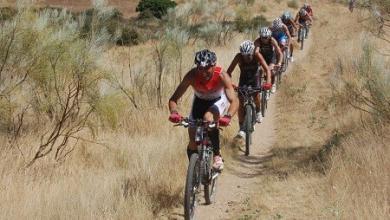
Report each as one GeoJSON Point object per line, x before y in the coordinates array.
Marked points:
{"type": "Point", "coordinates": [214, 100]}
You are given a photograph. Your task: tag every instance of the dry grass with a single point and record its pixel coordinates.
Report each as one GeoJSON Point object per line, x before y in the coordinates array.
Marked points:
{"type": "Point", "coordinates": [125, 6]}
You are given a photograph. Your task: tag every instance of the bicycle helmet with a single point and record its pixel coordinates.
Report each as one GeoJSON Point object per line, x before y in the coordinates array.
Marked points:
{"type": "Point", "coordinates": [205, 58]}
{"type": "Point", "coordinates": [306, 5]}
{"type": "Point", "coordinates": [265, 32]}
{"type": "Point", "coordinates": [247, 47]}
{"type": "Point", "coordinates": [277, 23]}
{"type": "Point", "coordinates": [302, 12]}
{"type": "Point", "coordinates": [286, 15]}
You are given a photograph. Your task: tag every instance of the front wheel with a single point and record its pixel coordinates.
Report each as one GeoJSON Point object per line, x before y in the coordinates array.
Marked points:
{"type": "Point", "coordinates": [192, 185]}
{"type": "Point", "coordinates": [302, 34]}
{"type": "Point", "coordinates": [210, 184]}
{"type": "Point", "coordinates": [263, 102]}
{"type": "Point", "coordinates": [248, 127]}
{"type": "Point", "coordinates": [285, 60]}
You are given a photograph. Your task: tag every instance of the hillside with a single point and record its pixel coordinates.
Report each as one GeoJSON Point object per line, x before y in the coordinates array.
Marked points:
{"type": "Point", "coordinates": [125, 6]}
{"type": "Point", "coordinates": [85, 133]}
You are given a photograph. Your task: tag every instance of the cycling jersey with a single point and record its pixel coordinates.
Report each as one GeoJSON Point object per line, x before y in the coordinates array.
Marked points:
{"type": "Point", "coordinates": [304, 19]}
{"type": "Point", "coordinates": [268, 52]}
{"type": "Point", "coordinates": [208, 94]}
{"type": "Point", "coordinates": [279, 34]}
{"type": "Point", "coordinates": [209, 89]}
{"type": "Point", "coordinates": [249, 73]}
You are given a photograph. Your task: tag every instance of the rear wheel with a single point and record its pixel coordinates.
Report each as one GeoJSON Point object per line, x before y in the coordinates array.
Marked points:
{"type": "Point", "coordinates": [248, 127]}
{"type": "Point", "coordinates": [192, 185]}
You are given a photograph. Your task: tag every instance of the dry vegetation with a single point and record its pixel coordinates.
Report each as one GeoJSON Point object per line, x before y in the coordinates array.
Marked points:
{"type": "Point", "coordinates": [331, 158]}
{"type": "Point", "coordinates": [126, 161]}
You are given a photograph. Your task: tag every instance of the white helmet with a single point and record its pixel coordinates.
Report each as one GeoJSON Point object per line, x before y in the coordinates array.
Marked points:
{"type": "Point", "coordinates": [247, 47]}
{"type": "Point", "coordinates": [277, 23]}
{"type": "Point", "coordinates": [302, 12]}
{"type": "Point", "coordinates": [306, 5]}
{"type": "Point", "coordinates": [265, 32]}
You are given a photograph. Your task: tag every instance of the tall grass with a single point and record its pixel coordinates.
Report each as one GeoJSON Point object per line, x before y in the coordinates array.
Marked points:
{"type": "Point", "coordinates": [360, 163]}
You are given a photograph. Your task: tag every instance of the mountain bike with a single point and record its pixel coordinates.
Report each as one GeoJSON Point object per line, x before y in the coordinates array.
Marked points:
{"type": "Point", "coordinates": [200, 171]}
{"type": "Point", "coordinates": [302, 33]}
{"type": "Point", "coordinates": [247, 92]}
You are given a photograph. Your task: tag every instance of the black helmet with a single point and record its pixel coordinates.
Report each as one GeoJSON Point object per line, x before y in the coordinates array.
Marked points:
{"type": "Point", "coordinates": [205, 58]}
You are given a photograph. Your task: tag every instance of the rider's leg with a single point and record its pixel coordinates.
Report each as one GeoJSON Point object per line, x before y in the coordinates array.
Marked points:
{"type": "Point", "coordinates": [214, 133]}
{"type": "Point", "coordinates": [241, 112]}
{"type": "Point", "coordinates": [257, 101]}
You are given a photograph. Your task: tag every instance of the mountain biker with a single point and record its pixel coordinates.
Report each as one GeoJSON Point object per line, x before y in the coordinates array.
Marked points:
{"type": "Point", "coordinates": [303, 18]}
{"type": "Point", "coordinates": [249, 62]}
{"type": "Point", "coordinates": [308, 9]}
{"type": "Point", "coordinates": [287, 19]}
{"type": "Point", "coordinates": [269, 48]}
{"type": "Point", "coordinates": [213, 92]}
{"type": "Point", "coordinates": [280, 33]}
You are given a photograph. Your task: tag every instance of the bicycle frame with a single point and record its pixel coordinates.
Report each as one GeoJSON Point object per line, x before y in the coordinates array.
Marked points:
{"type": "Point", "coordinates": [205, 149]}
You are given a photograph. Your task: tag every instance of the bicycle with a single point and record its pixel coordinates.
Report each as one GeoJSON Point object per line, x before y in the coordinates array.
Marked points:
{"type": "Point", "coordinates": [200, 169]}
{"type": "Point", "coordinates": [247, 93]}
{"type": "Point", "coordinates": [302, 33]}
{"type": "Point", "coordinates": [264, 100]}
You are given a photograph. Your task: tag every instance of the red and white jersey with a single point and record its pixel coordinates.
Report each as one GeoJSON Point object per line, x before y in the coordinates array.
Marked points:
{"type": "Point", "coordinates": [209, 89]}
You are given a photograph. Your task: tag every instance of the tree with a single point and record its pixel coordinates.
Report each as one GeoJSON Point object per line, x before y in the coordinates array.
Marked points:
{"type": "Point", "coordinates": [158, 8]}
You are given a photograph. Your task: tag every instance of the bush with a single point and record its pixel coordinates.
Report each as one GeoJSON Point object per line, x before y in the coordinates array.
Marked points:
{"type": "Point", "coordinates": [129, 36]}
{"type": "Point", "coordinates": [293, 4]}
{"type": "Point", "coordinates": [158, 8]}
{"type": "Point", "coordinates": [242, 25]}
{"type": "Point", "coordinates": [7, 13]}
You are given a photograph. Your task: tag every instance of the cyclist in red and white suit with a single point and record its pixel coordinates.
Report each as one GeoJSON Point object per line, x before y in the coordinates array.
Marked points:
{"type": "Point", "coordinates": [214, 100]}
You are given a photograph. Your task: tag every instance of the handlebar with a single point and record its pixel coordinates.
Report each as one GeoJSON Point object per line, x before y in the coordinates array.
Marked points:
{"type": "Point", "coordinates": [187, 122]}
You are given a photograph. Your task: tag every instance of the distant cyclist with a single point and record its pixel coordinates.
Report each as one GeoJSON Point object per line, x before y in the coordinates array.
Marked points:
{"type": "Point", "coordinates": [213, 92]}
{"type": "Point", "coordinates": [280, 32]}
{"type": "Point", "coordinates": [303, 18]}
{"type": "Point", "coordinates": [308, 9]}
{"type": "Point", "coordinates": [249, 62]}
{"type": "Point", "coordinates": [288, 20]}
{"type": "Point", "coordinates": [270, 50]}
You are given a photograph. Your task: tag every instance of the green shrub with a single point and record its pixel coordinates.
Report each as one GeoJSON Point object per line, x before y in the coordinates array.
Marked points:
{"type": "Point", "coordinates": [158, 8]}
{"type": "Point", "coordinates": [241, 24]}
{"type": "Point", "coordinates": [129, 36]}
{"type": "Point", "coordinates": [7, 13]}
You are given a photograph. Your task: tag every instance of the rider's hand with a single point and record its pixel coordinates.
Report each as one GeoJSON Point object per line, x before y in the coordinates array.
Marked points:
{"type": "Point", "coordinates": [225, 120]}
{"type": "Point", "coordinates": [175, 117]}
{"type": "Point", "coordinates": [267, 86]}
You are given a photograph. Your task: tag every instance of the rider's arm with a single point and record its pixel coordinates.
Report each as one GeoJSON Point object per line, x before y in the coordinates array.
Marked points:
{"type": "Point", "coordinates": [180, 90]}
{"type": "Point", "coordinates": [278, 51]}
{"type": "Point", "coordinates": [232, 65]}
{"type": "Point", "coordinates": [293, 23]}
{"type": "Point", "coordinates": [230, 94]}
{"type": "Point", "coordinates": [263, 64]}
{"type": "Point", "coordinates": [287, 33]}
{"type": "Point", "coordinates": [296, 18]}
{"type": "Point", "coordinates": [310, 19]}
